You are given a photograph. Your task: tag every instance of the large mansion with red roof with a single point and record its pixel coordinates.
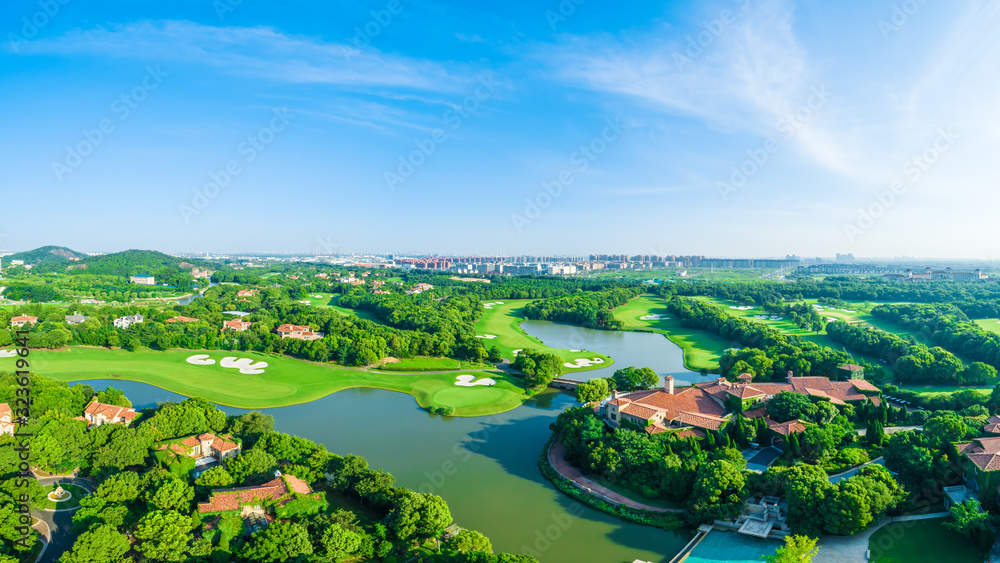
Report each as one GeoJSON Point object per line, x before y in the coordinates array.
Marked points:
{"type": "Point", "coordinates": [6, 419]}
{"type": "Point", "coordinates": [21, 320]}
{"type": "Point", "coordinates": [97, 414]}
{"type": "Point", "coordinates": [298, 332]}
{"type": "Point", "coordinates": [203, 445]}
{"type": "Point", "coordinates": [252, 503]}
{"type": "Point", "coordinates": [236, 324]}
{"type": "Point", "coordinates": [709, 405]}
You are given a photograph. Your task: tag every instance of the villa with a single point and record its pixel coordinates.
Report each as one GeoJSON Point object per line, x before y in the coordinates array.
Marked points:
{"type": "Point", "coordinates": [22, 320]}
{"type": "Point", "coordinates": [142, 280]}
{"type": "Point", "coordinates": [254, 503]}
{"type": "Point", "coordinates": [980, 461]}
{"type": "Point", "coordinates": [236, 324]}
{"type": "Point", "coordinates": [204, 446]}
{"type": "Point", "coordinates": [181, 319]}
{"type": "Point", "coordinates": [6, 419]}
{"type": "Point", "coordinates": [97, 414]}
{"type": "Point", "coordinates": [992, 425]}
{"type": "Point", "coordinates": [298, 332]}
{"type": "Point", "coordinates": [75, 319]}
{"type": "Point", "coordinates": [246, 293]}
{"type": "Point", "coordinates": [127, 321]}
{"type": "Point", "coordinates": [709, 405]}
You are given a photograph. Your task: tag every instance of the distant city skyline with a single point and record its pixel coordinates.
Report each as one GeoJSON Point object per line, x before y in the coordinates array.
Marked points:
{"type": "Point", "coordinates": [726, 128]}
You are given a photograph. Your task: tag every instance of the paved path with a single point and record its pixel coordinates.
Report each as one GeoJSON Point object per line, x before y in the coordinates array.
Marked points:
{"type": "Point", "coordinates": [851, 472]}
{"type": "Point", "coordinates": [59, 536]}
{"type": "Point", "coordinates": [556, 454]}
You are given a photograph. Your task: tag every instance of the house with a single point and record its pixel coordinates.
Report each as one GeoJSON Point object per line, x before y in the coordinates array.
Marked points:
{"type": "Point", "coordinates": [992, 425]}
{"type": "Point", "coordinates": [246, 293]}
{"type": "Point", "coordinates": [254, 503]}
{"type": "Point", "coordinates": [710, 404]}
{"type": "Point", "coordinates": [181, 319]}
{"type": "Point", "coordinates": [22, 320]}
{"type": "Point", "coordinates": [75, 319]}
{"type": "Point", "coordinates": [201, 273]}
{"type": "Point", "coordinates": [127, 321]}
{"type": "Point", "coordinates": [142, 280]}
{"type": "Point", "coordinates": [97, 414]}
{"type": "Point", "coordinates": [298, 332]}
{"type": "Point", "coordinates": [203, 445]}
{"type": "Point", "coordinates": [236, 324]}
{"type": "Point", "coordinates": [850, 371]}
{"type": "Point", "coordinates": [6, 419]}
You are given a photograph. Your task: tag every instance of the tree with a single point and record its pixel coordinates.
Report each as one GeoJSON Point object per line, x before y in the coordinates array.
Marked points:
{"type": "Point", "coordinates": [470, 540]}
{"type": "Point", "coordinates": [173, 494]}
{"type": "Point", "coordinates": [944, 428]}
{"type": "Point", "coordinates": [339, 543]}
{"type": "Point", "coordinates": [787, 406]}
{"type": "Point", "coordinates": [215, 477]}
{"type": "Point", "coordinates": [797, 549]}
{"type": "Point", "coordinates": [819, 442]}
{"type": "Point", "coordinates": [717, 492]}
{"type": "Point", "coordinates": [254, 465]}
{"type": "Point", "coordinates": [977, 373]}
{"type": "Point", "coordinates": [281, 541]}
{"type": "Point", "coordinates": [163, 535]}
{"type": "Point", "coordinates": [634, 379]}
{"type": "Point", "coordinates": [418, 516]}
{"type": "Point", "coordinates": [102, 544]}
{"type": "Point", "coordinates": [875, 434]}
{"type": "Point", "coordinates": [969, 519]}
{"type": "Point", "coordinates": [592, 391]}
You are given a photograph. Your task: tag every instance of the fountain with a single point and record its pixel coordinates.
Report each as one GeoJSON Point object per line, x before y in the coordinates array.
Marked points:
{"type": "Point", "coordinates": [60, 495]}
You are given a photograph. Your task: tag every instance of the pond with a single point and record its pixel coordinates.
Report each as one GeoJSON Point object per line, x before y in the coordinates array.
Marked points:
{"type": "Point", "coordinates": [486, 467]}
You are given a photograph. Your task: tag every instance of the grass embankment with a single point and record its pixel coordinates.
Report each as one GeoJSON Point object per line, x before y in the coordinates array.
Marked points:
{"type": "Point", "coordinates": [919, 541]}
{"type": "Point", "coordinates": [702, 349]}
{"type": "Point", "coordinates": [286, 381]}
{"type": "Point", "coordinates": [504, 322]}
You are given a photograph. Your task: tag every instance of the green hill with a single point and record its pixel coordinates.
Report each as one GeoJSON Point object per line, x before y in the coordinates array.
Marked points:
{"type": "Point", "coordinates": [166, 269]}
{"type": "Point", "coordinates": [47, 255]}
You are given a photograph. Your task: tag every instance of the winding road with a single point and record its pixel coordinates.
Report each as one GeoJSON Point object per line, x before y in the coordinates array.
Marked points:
{"type": "Point", "coordinates": [56, 526]}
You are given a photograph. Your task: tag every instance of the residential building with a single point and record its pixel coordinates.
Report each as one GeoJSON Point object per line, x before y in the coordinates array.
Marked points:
{"type": "Point", "coordinates": [21, 320]}
{"type": "Point", "coordinates": [246, 293]}
{"type": "Point", "coordinates": [97, 414]}
{"type": "Point", "coordinates": [75, 318]}
{"type": "Point", "coordinates": [142, 280]}
{"type": "Point", "coordinates": [254, 503]}
{"type": "Point", "coordinates": [203, 446]}
{"type": "Point", "coordinates": [181, 319]}
{"type": "Point", "coordinates": [238, 325]}
{"type": "Point", "coordinates": [6, 419]}
{"type": "Point", "coordinates": [929, 274]}
{"type": "Point", "coordinates": [127, 321]}
{"type": "Point", "coordinates": [298, 332]}
{"type": "Point", "coordinates": [709, 405]}
{"type": "Point", "coordinates": [201, 273]}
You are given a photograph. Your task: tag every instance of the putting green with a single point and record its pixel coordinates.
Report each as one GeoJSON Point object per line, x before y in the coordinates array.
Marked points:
{"type": "Point", "coordinates": [504, 321]}
{"type": "Point", "coordinates": [702, 349]}
{"type": "Point", "coordinates": [286, 381]}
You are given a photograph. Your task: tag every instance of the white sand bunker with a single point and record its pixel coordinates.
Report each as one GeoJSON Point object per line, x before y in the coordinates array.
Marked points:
{"type": "Point", "coordinates": [8, 353]}
{"type": "Point", "coordinates": [583, 362]}
{"type": "Point", "coordinates": [653, 318]}
{"type": "Point", "coordinates": [317, 296]}
{"type": "Point", "coordinates": [200, 360]}
{"type": "Point", "coordinates": [518, 351]}
{"type": "Point", "coordinates": [471, 381]}
{"type": "Point", "coordinates": [305, 302]}
{"type": "Point", "coordinates": [245, 365]}
{"type": "Point", "coordinates": [486, 336]}
{"type": "Point", "coordinates": [777, 318]}
{"type": "Point", "coordinates": [848, 311]}
{"type": "Point", "coordinates": [490, 305]}
{"type": "Point", "coordinates": [576, 350]}
{"type": "Point", "coordinates": [831, 319]}
{"type": "Point", "coordinates": [741, 307]}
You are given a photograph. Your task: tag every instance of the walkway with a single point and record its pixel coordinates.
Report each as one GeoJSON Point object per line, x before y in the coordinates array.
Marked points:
{"type": "Point", "coordinates": [852, 472]}
{"type": "Point", "coordinates": [60, 535]}
{"type": "Point", "coordinates": [556, 458]}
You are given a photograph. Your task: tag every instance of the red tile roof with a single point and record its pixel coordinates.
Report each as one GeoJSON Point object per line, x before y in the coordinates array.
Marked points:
{"type": "Point", "coordinates": [786, 428]}
{"type": "Point", "coordinates": [110, 412]}
{"type": "Point", "coordinates": [275, 490]}
{"type": "Point", "coordinates": [181, 319]}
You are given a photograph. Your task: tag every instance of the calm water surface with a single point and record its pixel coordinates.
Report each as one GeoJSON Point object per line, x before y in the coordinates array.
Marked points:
{"type": "Point", "coordinates": [485, 467]}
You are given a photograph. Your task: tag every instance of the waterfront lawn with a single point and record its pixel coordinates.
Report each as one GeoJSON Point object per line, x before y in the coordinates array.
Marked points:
{"type": "Point", "coordinates": [504, 322]}
{"type": "Point", "coordinates": [702, 349]}
{"type": "Point", "coordinates": [919, 541]}
{"type": "Point", "coordinates": [286, 381]}
{"type": "Point", "coordinates": [74, 501]}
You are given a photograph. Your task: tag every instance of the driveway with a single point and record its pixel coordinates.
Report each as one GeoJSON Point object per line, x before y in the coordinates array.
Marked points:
{"type": "Point", "coordinates": [60, 534]}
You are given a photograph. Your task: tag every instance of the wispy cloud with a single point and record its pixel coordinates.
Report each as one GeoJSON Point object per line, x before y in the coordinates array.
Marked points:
{"type": "Point", "coordinates": [261, 52]}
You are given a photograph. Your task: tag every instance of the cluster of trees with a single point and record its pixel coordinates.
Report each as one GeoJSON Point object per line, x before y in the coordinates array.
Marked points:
{"type": "Point", "coordinates": [144, 510]}
{"type": "Point", "coordinates": [912, 361]}
{"type": "Point", "coordinates": [537, 369]}
{"type": "Point", "coordinates": [32, 293]}
{"type": "Point", "coordinates": [947, 326]}
{"type": "Point", "coordinates": [168, 270]}
{"type": "Point", "coordinates": [589, 309]}
{"type": "Point", "coordinates": [767, 352]}
{"type": "Point", "coordinates": [626, 379]}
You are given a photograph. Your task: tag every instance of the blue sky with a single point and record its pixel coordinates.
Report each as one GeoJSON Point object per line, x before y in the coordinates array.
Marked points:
{"type": "Point", "coordinates": [734, 127]}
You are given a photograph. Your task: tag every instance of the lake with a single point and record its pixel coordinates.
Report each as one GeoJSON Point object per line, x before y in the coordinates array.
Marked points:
{"type": "Point", "coordinates": [486, 467]}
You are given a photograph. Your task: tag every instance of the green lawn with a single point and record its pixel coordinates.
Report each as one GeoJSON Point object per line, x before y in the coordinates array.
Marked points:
{"type": "Point", "coordinates": [992, 325]}
{"type": "Point", "coordinates": [329, 301]}
{"type": "Point", "coordinates": [77, 492]}
{"type": "Point", "coordinates": [286, 381]}
{"type": "Point", "coordinates": [427, 363]}
{"type": "Point", "coordinates": [919, 541]}
{"type": "Point", "coordinates": [702, 349]}
{"type": "Point", "coordinates": [944, 389]}
{"type": "Point", "coordinates": [504, 322]}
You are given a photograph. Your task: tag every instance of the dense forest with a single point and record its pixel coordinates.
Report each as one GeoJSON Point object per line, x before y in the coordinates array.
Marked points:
{"type": "Point", "coordinates": [588, 309]}
{"type": "Point", "coordinates": [947, 326]}
{"type": "Point", "coordinates": [144, 508]}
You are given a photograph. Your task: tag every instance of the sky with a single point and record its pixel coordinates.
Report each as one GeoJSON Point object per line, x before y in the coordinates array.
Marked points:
{"type": "Point", "coordinates": [722, 128]}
